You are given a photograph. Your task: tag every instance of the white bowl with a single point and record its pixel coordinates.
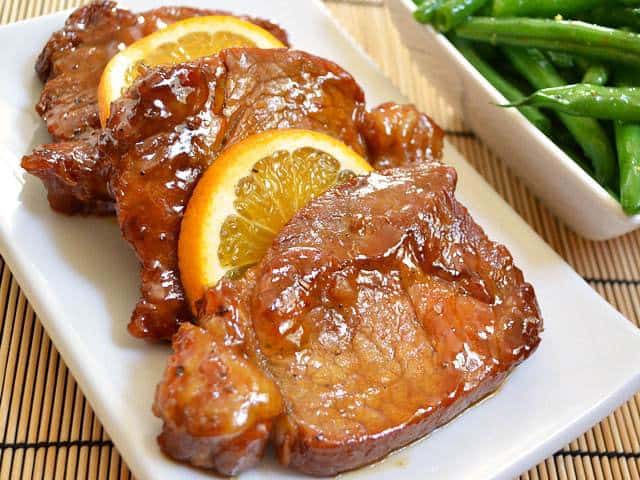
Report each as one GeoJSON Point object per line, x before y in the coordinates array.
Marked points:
{"type": "Point", "coordinates": [565, 188]}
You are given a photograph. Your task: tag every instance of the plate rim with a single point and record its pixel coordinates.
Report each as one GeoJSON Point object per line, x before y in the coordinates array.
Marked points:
{"type": "Point", "coordinates": [43, 300]}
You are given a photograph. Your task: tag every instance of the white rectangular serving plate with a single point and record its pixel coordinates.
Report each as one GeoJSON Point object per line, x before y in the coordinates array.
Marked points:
{"type": "Point", "coordinates": [570, 192]}
{"type": "Point", "coordinates": [82, 281]}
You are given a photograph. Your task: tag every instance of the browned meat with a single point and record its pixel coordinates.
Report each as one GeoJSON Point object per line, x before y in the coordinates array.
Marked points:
{"type": "Point", "coordinates": [169, 127]}
{"type": "Point", "coordinates": [72, 61]}
{"type": "Point", "coordinates": [71, 64]}
{"type": "Point", "coordinates": [381, 311]}
{"type": "Point", "coordinates": [401, 135]}
{"type": "Point", "coordinates": [76, 173]}
{"type": "Point", "coordinates": [227, 431]}
{"type": "Point", "coordinates": [163, 152]}
{"type": "Point", "coordinates": [266, 90]}
{"type": "Point", "coordinates": [165, 148]}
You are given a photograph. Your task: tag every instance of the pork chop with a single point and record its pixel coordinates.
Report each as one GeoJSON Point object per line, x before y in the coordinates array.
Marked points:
{"type": "Point", "coordinates": [171, 125]}
{"type": "Point", "coordinates": [149, 158]}
{"type": "Point", "coordinates": [381, 311]}
{"type": "Point", "coordinates": [71, 65]}
{"type": "Point", "coordinates": [75, 174]}
{"type": "Point", "coordinates": [400, 136]}
{"type": "Point", "coordinates": [173, 122]}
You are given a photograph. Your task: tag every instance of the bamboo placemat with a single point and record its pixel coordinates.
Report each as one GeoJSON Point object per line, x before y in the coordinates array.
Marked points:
{"type": "Point", "coordinates": [48, 430]}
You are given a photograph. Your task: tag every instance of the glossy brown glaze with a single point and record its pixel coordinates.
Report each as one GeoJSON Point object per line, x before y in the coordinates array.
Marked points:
{"type": "Point", "coordinates": [400, 136]}
{"type": "Point", "coordinates": [76, 174]}
{"type": "Point", "coordinates": [72, 61]}
{"type": "Point", "coordinates": [217, 404]}
{"type": "Point", "coordinates": [172, 123]}
{"type": "Point", "coordinates": [71, 64]}
{"type": "Point", "coordinates": [166, 131]}
{"type": "Point", "coordinates": [381, 311]}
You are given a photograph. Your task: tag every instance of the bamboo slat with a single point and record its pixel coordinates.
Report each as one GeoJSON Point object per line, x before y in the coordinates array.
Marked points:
{"type": "Point", "coordinates": [48, 430]}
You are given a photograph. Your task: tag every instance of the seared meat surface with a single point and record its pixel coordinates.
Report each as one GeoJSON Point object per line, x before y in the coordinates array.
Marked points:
{"type": "Point", "coordinates": [400, 135]}
{"type": "Point", "coordinates": [75, 173]}
{"type": "Point", "coordinates": [169, 127]}
{"type": "Point", "coordinates": [217, 403]}
{"type": "Point", "coordinates": [381, 311]}
{"type": "Point", "coordinates": [172, 123]}
{"type": "Point", "coordinates": [71, 64]}
{"type": "Point", "coordinates": [73, 59]}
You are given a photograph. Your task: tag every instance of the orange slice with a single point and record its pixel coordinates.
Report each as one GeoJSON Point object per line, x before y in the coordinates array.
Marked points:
{"type": "Point", "coordinates": [249, 193]}
{"type": "Point", "coordinates": [179, 42]}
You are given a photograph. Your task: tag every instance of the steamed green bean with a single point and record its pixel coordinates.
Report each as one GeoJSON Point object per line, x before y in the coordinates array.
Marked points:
{"type": "Point", "coordinates": [586, 100]}
{"type": "Point", "coordinates": [571, 67]}
{"type": "Point", "coordinates": [541, 8]}
{"type": "Point", "coordinates": [612, 16]}
{"type": "Point", "coordinates": [510, 92]}
{"type": "Point", "coordinates": [561, 59]}
{"type": "Point", "coordinates": [588, 133]}
{"type": "Point", "coordinates": [628, 146]}
{"type": "Point", "coordinates": [452, 13]}
{"type": "Point", "coordinates": [591, 41]}
{"type": "Point", "coordinates": [627, 137]}
{"type": "Point", "coordinates": [426, 9]}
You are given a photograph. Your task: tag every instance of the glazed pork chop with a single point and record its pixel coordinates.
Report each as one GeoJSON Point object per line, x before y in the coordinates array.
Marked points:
{"type": "Point", "coordinates": [381, 311]}
{"type": "Point", "coordinates": [70, 65]}
{"type": "Point", "coordinates": [168, 128]}
{"type": "Point", "coordinates": [171, 125]}
{"type": "Point", "coordinates": [162, 151]}
{"type": "Point", "coordinates": [147, 162]}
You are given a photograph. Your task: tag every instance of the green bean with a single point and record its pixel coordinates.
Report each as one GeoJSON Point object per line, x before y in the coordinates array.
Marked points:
{"type": "Point", "coordinates": [589, 134]}
{"type": "Point", "coordinates": [541, 8]}
{"type": "Point", "coordinates": [501, 84]}
{"type": "Point", "coordinates": [455, 12]}
{"type": "Point", "coordinates": [563, 139]}
{"type": "Point", "coordinates": [596, 74]}
{"type": "Point", "coordinates": [583, 63]}
{"type": "Point", "coordinates": [579, 38]}
{"type": "Point", "coordinates": [585, 100]}
{"type": "Point", "coordinates": [628, 145]}
{"type": "Point", "coordinates": [426, 9]}
{"type": "Point", "coordinates": [580, 160]}
{"type": "Point", "coordinates": [627, 137]}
